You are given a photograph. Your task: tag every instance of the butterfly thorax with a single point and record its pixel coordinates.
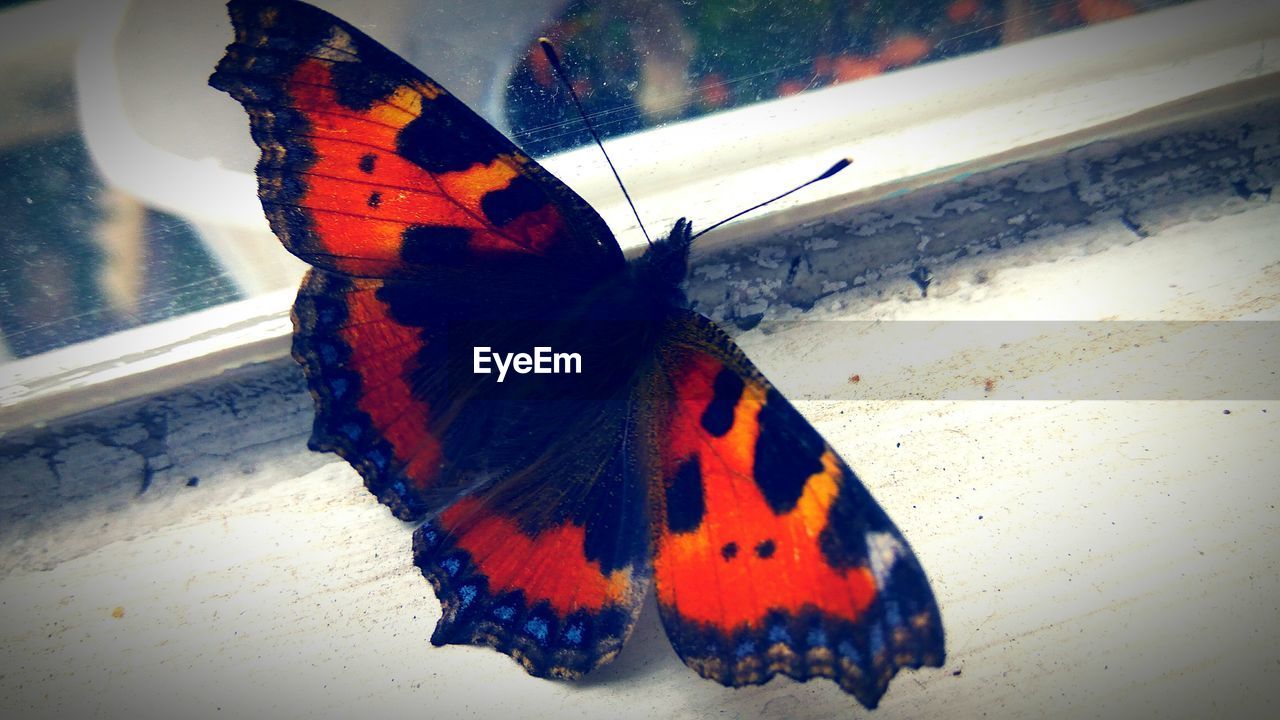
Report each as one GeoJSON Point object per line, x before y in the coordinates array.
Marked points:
{"type": "Point", "coordinates": [664, 266]}
{"type": "Point", "coordinates": [659, 273]}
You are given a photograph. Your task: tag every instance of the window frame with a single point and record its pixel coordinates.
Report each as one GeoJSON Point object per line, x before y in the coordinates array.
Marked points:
{"type": "Point", "coordinates": [905, 130]}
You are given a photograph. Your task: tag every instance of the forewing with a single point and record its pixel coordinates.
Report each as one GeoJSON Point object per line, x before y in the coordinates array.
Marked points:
{"type": "Point", "coordinates": [370, 168]}
{"type": "Point", "coordinates": [769, 554]}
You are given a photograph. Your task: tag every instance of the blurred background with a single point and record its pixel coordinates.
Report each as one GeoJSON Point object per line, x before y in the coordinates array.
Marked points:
{"type": "Point", "coordinates": [124, 178]}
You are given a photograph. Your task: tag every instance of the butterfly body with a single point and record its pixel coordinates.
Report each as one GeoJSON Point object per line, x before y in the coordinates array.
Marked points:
{"type": "Point", "coordinates": [549, 503]}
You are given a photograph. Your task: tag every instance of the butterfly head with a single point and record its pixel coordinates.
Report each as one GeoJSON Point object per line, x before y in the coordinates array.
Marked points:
{"type": "Point", "coordinates": [662, 269]}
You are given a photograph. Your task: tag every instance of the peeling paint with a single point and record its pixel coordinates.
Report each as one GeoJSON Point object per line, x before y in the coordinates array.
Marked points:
{"type": "Point", "coordinates": [1147, 182]}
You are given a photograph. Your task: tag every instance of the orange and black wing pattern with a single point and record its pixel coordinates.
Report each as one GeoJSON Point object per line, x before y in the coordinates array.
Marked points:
{"type": "Point", "coordinates": [769, 554]}
{"type": "Point", "coordinates": [429, 233]}
{"type": "Point", "coordinates": [534, 528]}
{"type": "Point", "coordinates": [359, 354]}
{"type": "Point", "coordinates": [550, 568]}
{"type": "Point", "coordinates": [534, 595]}
{"type": "Point", "coordinates": [369, 168]}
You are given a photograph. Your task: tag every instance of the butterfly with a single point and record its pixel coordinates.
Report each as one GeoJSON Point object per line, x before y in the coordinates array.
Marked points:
{"type": "Point", "coordinates": [548, 503]}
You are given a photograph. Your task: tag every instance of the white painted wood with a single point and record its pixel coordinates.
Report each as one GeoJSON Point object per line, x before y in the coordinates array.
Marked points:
{"type": "Point", "coordinates": [144, 360]}
{"type": "Point", "coordinates": [1103, 559]}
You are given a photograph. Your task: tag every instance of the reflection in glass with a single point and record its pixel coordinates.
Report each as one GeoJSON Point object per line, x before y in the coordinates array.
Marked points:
{"type": "Point", "coordinates": [638, 64]}
{"type": "Point", "coordinates": [80, 258]}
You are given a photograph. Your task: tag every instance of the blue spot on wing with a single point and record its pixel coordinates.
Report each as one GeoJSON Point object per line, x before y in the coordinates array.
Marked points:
{"type": "Point", "coordinates": [877, 639]}
{"type": "Point", "coordinates": [537, 627]}
{"type": "Point", "coordinates": [892, 613]}
{"type": "Point", "coordinates": [847, 650]}
{"type": "Point", "coordinates": [817, 637]}
{"type": "Point", "coordinates": [429, 534]}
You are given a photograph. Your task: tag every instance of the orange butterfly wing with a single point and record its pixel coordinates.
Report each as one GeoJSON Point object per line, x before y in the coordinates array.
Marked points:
{"type": "Point", "coordinates": [358, 356]}
{"type": "Point", "coordinates": [427, 229]}
{"type": "Point", "coordinates": [550, 570]}
{"type": "Point", "coordinates": [411, 208]}
{"type": "Point", "coordinates": [370, 168]}
{"type": "Point", "coordinates": [769, 554]}
{"type": "Point", "coordinates": [534, 531]}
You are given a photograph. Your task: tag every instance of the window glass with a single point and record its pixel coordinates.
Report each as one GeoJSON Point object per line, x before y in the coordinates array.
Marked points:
{"type": "Point", "coordinates": [83, 254]}
{"type": "Point", "coordinates": [637, 64]}
{"type": "Point", "coordinates": [82, 260]}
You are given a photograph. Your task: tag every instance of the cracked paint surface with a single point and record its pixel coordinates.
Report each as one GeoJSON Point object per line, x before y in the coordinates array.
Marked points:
{"type": "Point", "coordinates": [82, 482]}
{"type": "Point", "coordinates": [1145, 183]}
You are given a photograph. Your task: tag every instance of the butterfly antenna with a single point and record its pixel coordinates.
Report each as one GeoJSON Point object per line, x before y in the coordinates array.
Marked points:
{"type": "Point", "coordinates": [844, 163]}
{"type": "Point", "coordinates": [554, 59]}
